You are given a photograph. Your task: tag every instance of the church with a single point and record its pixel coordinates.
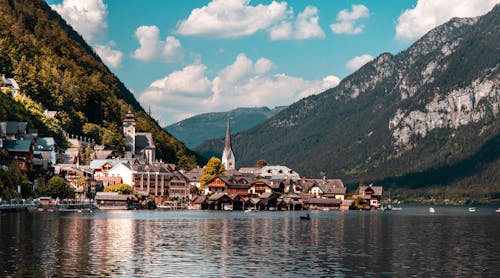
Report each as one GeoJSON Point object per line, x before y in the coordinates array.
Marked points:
{"type": "Point", "coordinates": [228, 159]}
{"type": "Point", "coordinates": [138, 144]}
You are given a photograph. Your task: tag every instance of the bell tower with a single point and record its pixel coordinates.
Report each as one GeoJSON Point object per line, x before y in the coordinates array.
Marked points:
{"type": "Point", "coordinates": [129, 131]}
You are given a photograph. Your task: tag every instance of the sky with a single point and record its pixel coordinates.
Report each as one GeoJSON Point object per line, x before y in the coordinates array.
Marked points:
{"type": "Point", "coordinates": [184, 58]}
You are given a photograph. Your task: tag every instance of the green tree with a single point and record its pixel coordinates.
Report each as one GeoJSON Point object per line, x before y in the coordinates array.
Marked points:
{"type": "Point", "coordinates": [359, 203]}
{"type": "Point", "coordinates": [261, 163]}
{"type": "Point", "coordinates": [121, 188]}
{"type": "Point", "coordinates": [56, 187]}
{"type": "Point", "coordinates": [213, 169]}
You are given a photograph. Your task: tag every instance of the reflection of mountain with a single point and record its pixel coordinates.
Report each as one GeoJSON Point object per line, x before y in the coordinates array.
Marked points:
{"type": "Point", "coordinates": [430, 109]}
{"type": "Point", "coordinates": [193, 131]}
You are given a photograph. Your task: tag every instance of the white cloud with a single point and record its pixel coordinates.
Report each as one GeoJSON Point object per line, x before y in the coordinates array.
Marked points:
{"type": "Point", "coordinates": [427, 14]}
{"type": "Point", "coordinates": [346, 21]}
{"type": "Point", "coordinates": [243, 83]}
{"type": "Point", "coordinates": [109, 56]}
{"type": "Point", "coordinates": [152, 48]}
{"type": "Point", "coordinates": [232, 18]}
{"type": "Point", "coordinates": [306, 27]}
{"type": "Point", "coordinates": [358, 61]}
{"type": "Point", "coordinates": [87, 17]}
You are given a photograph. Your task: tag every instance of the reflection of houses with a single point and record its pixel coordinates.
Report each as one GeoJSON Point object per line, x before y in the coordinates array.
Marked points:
{"type": "Point", "coordinates": [371, 194]}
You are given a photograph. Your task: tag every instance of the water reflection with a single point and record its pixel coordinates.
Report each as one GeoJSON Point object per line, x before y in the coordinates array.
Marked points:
{"type": "Point", "coordinates": [180, 244]}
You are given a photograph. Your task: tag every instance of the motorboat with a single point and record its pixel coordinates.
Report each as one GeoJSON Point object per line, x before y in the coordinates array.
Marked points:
{"type": "Point", "coordinates": [251, 210]}
{"type": "Point", "coordinates": [472, 209]}
{"type": "Point", "coordinates": [432, 210]}
{"type": "Point", "coordinates": [305, 217]}
{"type": "Point", "coordinates": [498, 210]}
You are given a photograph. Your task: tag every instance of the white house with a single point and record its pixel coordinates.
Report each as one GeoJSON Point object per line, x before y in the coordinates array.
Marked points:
{"type": "Point", "coordinates": [124, 171]}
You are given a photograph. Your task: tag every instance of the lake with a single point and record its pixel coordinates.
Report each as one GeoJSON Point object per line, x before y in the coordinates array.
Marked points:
{"type": "Point", "coordinates": [451, 242]}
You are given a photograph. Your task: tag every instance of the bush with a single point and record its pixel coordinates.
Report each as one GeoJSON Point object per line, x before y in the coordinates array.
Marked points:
{"type": "Point", "coordinates": [121, 188]}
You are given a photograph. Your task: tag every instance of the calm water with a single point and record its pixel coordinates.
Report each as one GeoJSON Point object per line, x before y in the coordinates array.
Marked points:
{"type": "Point", "coordinates": [450, 243]}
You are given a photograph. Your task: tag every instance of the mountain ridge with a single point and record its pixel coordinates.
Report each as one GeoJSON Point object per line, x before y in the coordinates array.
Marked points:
{"type": "Point", "coordinates": [446, 94]}
{"type": "Point", "coordinates": [194, 130]}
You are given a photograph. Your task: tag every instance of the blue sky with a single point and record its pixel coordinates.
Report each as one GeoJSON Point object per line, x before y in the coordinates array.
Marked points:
{"type": "Point", "coordinates": [183, 58]}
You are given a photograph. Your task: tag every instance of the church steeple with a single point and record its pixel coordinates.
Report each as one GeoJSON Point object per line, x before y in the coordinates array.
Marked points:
{"type": "Point", "coordinates": [129, 131]}
{"type": "Point", "coordinates": [227, 155]}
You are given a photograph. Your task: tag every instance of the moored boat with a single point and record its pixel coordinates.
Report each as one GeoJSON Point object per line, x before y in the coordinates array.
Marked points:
{"type": "Point", "coordinates": [432, 210]}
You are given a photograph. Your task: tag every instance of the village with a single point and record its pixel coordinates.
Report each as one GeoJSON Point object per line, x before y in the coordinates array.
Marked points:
{"type": "Point", "coordinates": [90, 168]}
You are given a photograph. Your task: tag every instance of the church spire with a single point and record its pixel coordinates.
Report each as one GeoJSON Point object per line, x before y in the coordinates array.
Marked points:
{"type": "Point", "coordinates": [227, 155]}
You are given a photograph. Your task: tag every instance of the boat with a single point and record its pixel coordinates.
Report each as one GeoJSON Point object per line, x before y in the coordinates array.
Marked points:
{"type": "Point", "coordinates": [251, 210]}
{"type": "Point", "coordinates": [498, 210]}
{"type": "Point", "coordinates": [473, 209]}
{"type": "Point", "coordinates": [432, 210]}
{"type": "Point", "coordinates": [305, 217]}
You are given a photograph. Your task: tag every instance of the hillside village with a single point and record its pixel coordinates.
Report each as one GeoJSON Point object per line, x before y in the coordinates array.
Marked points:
{"type": "Point", "coordinates": [90, 168]}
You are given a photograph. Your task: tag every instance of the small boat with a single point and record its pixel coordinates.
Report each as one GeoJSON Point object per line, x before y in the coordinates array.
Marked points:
{"type": "Point", "coordinates": [498, 210]}
{"type": "Point", "coordinates": [305, 217]}
{"type": "Point", "coordinates": [251, 210]}
{"type": "Point", "coordinates": [432, 210]}
{"type": "Point", "coordinates": [473, 209]}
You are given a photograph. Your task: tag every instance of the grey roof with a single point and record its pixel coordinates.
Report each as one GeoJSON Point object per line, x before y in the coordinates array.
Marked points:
{"type": "Point", "coordinates": [156, 168]}
{"type": "Point", "coordinates": [194, 175]}
{"type": "Point", "coordinates": [320, 201]}
{"type": "Point", "coordinates": [143, 140]}
{"type": "Point", "coordinates": [9, 128]}
{"type": "Point", "coordinates": [111, 196]}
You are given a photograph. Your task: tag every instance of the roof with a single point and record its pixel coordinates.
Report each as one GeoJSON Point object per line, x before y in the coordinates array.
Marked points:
{"type": "Point", "coordinates": [320, 201]}
{"type": "Point", "coordinates": [377, 190]}
{"type": "Point", "coordinates": [199, 199]}
{"type": "Point", "coordinates": [277, 172]}
{"type": "Point", "coordinates": [194, 175]}
{"type": "Point", "coordinates": [112, 196]}
{"type": "Point", "coordinates": [18, 145]}
{"type": "Point", "coordinates": [143, 140]}
{"type": "Point", "coordinates": [217, 196]}
{"type": "Point", "coordinates": [50, 114]}
{"type": "Point", "coordinates": [45, 144]}
{"type": "Point", "coordinates": [155, 168]}
{"type": "Point", "coordinates": [7, 128]}
{"type": "Point", "coordinates": [248, 170]}
{"type": "Point", "coordinates": [97, 163]}
{"type": "Point", "coordinates": [102, 154]}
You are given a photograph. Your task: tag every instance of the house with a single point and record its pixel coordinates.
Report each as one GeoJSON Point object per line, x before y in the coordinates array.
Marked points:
{"type": "Point", "coordinates": [259, 187]}
{"type": "Point", "coordinates": [46, 150]}
{"type": "Point", "coordinates": [10, 83]}
{"type": "Point", "coordinates": [328, 188]}
{"type": "Point", "coordinates": [198, 202]}
{"type": "Point", "coordinates": [21, 152]}
{"type": "Point", "coordinates": [178, 186]}
{"type": "Point", "coordinates": [277, 172]}
{"type": "Point", "coordinates": [324, 204]}
{"type": "Point", "coordinates": [124, 171]}
{"type": "Point", "coordinates": [12, 130]}
{"type": "Point", "coordinates": [194, 176]}
{"type": "Point", "coordinates": [220, 201]}
{"type": "Point", "coordinates": [152, 180]}
{"type": "Point", "coordinates": [113, 200]}
{"type": "Point", "coordinates": [231, 185]}
{"type": "Point", "coordinates": [346, 204]}
{"type": "Point", "coordinates": [371, 194]}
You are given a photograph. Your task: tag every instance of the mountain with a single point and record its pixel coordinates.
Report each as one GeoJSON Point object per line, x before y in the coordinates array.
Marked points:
{"type": "Point", "coordinates": [57, 70]}
{"type": "Point", "coordinates": [197, 129]}
{"type": "Point", "coordinates": [426, 116]}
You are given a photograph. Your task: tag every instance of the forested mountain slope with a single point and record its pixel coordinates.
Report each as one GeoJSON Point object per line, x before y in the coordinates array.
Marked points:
{"type": "Point", "coordinates": [59, 71]}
